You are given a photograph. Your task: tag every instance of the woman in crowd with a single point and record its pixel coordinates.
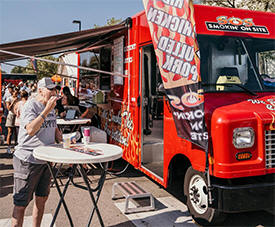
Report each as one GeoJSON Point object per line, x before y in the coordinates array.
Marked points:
{"type": "Point", "coordinates": [19, 106]}
{"type": "Point", "coordinates": [10, 122]}
{"type": "Point", "coordinates": [60, 110]}
{"type": "Point", "coordinates": [72, 100]}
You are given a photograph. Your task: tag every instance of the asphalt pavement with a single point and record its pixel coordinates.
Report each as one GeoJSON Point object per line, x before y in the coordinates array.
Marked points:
{"type": "Point", "coordinates": [169, 211]}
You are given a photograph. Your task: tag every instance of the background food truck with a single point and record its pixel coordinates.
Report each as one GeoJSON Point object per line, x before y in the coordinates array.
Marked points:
{"type": "Point", "coordinates": [237, 56]}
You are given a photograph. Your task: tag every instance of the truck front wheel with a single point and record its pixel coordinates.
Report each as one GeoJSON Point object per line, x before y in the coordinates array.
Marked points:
{"type": "Point", "coordinates": [195, 190]}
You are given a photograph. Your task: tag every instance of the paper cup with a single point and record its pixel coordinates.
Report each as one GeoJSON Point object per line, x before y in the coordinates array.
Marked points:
{"type": "Point", "coordinates": [66, 140]}
{"type": "Point", "coordinates": [86, 136]}
{"type": "Point", "coordinates": [86, 131]}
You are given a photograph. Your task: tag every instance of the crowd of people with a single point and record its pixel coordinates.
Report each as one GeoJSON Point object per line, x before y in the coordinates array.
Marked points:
{"type": "Point", "coordinates": [30, 119]}
{"type": "Point", "coordinates": [14, 98]}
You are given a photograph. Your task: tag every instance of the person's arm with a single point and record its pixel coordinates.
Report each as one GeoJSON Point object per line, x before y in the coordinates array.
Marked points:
{"type": "Point", "coordinates": [14, 102]}
{"type": "Point", "coordinates": [34, 126]}
{"type": "Point", "coordinates": [58, 135]}
{"type": "Point", "coordinates": [77, 101]}
{"type": "Point", "coordinates": [17, 108]}
{"type": "Point", "coordinates": [8, 104]}
{"type": "Point", "coordinates": [63, 114]}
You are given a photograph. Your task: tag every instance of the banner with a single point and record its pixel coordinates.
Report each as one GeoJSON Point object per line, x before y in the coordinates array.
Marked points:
{"type": "Point", "coordinates": [34, 64]}
{"type": "Point", "coordinates": [67, 70]}
{"type": "Point", "coordinates": [172, 28]}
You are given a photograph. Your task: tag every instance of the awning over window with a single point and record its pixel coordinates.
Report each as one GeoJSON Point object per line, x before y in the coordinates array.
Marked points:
{"type": "Point", "coordinates": [60, 43]}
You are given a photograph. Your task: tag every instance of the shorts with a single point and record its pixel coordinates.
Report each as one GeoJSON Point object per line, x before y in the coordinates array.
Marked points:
{"type": "Point", "coordinates": [10, 121]}
{"type": "Point", "coordinates": [29, 178]}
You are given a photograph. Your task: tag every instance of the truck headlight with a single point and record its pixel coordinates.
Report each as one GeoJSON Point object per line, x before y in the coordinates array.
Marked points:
{"type": "Point", "coordinates": [243, 137]}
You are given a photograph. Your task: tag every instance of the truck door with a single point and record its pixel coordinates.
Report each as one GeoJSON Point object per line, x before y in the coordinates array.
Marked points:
{"type": "Point", "coordinates": [151, 113]}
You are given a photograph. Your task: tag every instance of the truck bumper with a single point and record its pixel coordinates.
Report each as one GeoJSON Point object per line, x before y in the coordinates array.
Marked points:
{"type": "Point", "coordinates": [247, 197]}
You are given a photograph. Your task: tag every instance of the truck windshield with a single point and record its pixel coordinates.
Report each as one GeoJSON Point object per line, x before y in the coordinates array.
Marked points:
{"type": "Point", "coordinates": [234, 64]}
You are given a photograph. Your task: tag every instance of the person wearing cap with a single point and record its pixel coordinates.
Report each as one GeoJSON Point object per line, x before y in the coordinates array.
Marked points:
{"type": "Point", "coordinates": [37, 127]}
{"type": "Point", "coordinates": [8, 92]}
{"type": "Point", "coordinates": [20, 85]}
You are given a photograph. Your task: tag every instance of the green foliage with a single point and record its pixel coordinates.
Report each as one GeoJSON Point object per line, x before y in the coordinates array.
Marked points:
{"type": "Point", "coordinates": [44, 69]}
{"type": "Point", "coordinates": [18, 69]}
{"type": "Point", "coordinates": [259, 5]}
{"type": "Point", "coordinates": [111, 21]}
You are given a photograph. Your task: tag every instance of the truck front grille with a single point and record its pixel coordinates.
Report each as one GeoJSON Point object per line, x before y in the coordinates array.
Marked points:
{"type": "Point", "coordinates": [270, 149]}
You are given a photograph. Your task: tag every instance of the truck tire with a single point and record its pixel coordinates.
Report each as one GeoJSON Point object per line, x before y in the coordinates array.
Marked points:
{"type": "Point", "coordinates": [195, 190]}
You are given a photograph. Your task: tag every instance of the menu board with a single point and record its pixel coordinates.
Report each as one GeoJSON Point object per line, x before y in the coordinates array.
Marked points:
{"type": "Point", "coordinates": [118, 59]}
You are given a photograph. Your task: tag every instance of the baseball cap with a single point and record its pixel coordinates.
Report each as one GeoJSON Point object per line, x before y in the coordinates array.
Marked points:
{"type": "Point", "coordinates": [46, 82]}
{"type": "Point", "coordinates": [10, 85]}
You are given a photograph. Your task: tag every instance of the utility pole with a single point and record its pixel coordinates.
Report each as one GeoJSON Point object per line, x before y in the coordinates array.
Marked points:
{"type": "Point", "coordinates": [77, 22]}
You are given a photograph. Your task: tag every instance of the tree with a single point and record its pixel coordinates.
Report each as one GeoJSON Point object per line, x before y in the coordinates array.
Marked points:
{"type": "Point", "coordinates": [44, 69]}
{"type": "Point", "coordinates": [111, 21]}
{"type": "Point", "coordinates": [260, 5]}
{"type": "Point", "coordinates": [18, 69]}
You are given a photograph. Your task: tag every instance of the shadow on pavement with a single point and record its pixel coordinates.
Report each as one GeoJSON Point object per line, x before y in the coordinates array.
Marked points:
{"type": "Point", "coordinates": [6, 155]}
{"type": "Point", "coordinates": [248, 219]}
{"type": "Point", "coordinates": [5, 167]}
{"type": "Point", "coordinates": [124, 224]}
{"type": "Point", "coordinates": [6, 182]}
{"type": "Point", "coordinates": [120, 168]}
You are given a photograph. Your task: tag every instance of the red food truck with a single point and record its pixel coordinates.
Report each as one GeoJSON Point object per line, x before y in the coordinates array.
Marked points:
{"type": "Point", "coordinates": [236, 173]}
{"type": "Point", "coordinates": [237, 70]}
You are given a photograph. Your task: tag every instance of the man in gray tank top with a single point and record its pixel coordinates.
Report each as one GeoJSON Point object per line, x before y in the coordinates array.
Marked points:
{"type": "Point", "coordinates": [37, 127]}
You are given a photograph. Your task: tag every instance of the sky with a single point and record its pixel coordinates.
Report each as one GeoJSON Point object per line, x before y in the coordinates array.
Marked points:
{"type": "Point", "coordinates": [28, 19]}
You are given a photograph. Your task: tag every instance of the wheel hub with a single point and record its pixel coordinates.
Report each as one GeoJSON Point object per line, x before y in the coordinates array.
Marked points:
{"type": "Point", "coordinates": [198, 197]}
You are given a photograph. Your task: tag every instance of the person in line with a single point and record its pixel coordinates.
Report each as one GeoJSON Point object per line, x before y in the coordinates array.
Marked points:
{"type": "Point", "coordinates": [18, 108]}
{"type": "Point", "coordinates": [29, 88]}
{"type": "Point", "coordinates": [88, 89]}
{"type": "Point", "coordinates": [72, 100]}
{"type": "Point", "coordinates": [21, 86]}
{"type": "Point", "coordinates": [10, 122]}
{"type": "Point", "coordinates": [60, 110]}
{"type": "Point", "coordinates": [37, 127]}
{"type": "Point", "coordinates": [7, 93]}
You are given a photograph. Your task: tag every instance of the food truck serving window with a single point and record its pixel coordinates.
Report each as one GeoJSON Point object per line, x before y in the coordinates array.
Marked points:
{"type": "Point", "coordinates": [97, 59]}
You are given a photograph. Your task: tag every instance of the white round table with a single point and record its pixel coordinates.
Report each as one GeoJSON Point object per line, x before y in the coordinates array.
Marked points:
{"type": "Point", "coordinates": [57, 154]}
{"type": "Point", "coordinates": [73, 124]}
{"type": "Point", "coordinates": [77, 121]}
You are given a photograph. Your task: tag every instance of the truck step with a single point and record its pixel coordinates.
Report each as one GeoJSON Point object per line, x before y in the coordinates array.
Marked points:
{"type": "Point", "coordinates": [132, 191]}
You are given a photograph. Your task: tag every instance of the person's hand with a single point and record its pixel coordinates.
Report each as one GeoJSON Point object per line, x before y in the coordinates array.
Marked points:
{"type": "Point", "coordinates": [63, 114]}
{"type": "Point", "coordinates": [75, 137]}
{"type": "Point", "coordinates": [73, 140]}
{"type": "Point", "coordinates": [51, 104]}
